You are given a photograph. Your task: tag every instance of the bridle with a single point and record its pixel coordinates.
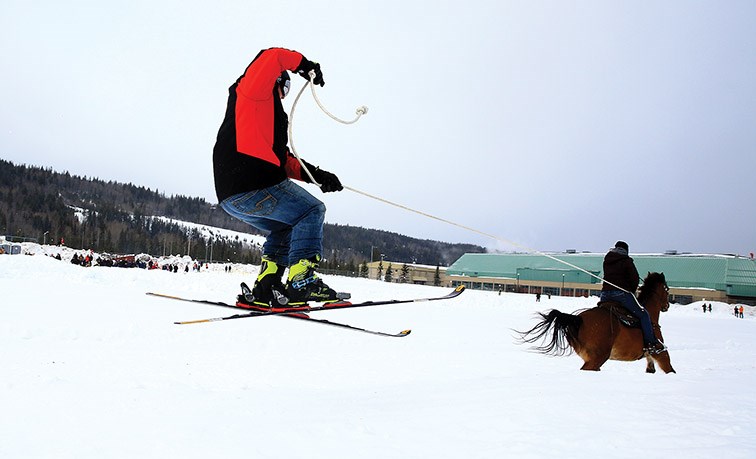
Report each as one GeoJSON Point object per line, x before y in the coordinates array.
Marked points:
{"type": "Point", "coordinates": [665, 307]}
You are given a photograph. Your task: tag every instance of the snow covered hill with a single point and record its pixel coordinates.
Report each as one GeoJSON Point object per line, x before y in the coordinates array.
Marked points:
{"type": "Point", "coordinates": [92, 367]}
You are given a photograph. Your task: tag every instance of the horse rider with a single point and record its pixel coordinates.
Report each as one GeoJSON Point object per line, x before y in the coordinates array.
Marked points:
{"type": "Point", "coordinates": [621, 280]}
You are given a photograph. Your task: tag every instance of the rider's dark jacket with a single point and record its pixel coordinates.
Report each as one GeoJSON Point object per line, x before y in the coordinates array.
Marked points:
{"type": "Point", "coordinates": [620, 270]}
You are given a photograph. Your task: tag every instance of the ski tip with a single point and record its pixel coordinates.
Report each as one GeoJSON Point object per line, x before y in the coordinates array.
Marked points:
{"type": "Point", "coordinates": [201, 321]}
{"type": "Point", "coordinates": [162, 295]}
{"type": "Point", "coordinates": [460, 288]}
{"type": "Point", "coordinates": [405, 332]}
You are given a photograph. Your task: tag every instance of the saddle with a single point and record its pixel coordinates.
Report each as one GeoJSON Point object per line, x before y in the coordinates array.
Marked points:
{"type": "Point", "coordinates": [622, 314]}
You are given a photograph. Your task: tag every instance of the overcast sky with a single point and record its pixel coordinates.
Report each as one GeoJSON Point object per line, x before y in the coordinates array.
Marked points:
{"type": "Point", "coordinates": [553, 124]}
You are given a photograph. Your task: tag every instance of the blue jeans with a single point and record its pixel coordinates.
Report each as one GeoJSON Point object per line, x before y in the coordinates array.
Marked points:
{"type": "Point", "coordinates": [292, 217]}
{"type": "Point", "coordinates": [627, 300]}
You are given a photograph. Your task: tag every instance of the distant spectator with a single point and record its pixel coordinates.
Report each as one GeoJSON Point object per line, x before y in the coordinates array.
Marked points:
{"type": "Point", "coordinates": [538, 297]}
{"type": "Point", "coordinates": [704, 307]}
{"type": "Point", "coordinates": [736, 311]}
{"type": "Point", "coordinates": [741, 311]}
{"type": "Point", "coordinates": [709, 307]}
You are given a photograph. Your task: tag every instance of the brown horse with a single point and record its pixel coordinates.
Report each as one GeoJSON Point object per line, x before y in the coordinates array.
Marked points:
{"type": "Point", "coordinates": [597, 334]}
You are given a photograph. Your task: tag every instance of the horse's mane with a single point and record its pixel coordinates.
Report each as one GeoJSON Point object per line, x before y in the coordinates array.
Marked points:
{"type": "Point", "coordinates": [650, 285]}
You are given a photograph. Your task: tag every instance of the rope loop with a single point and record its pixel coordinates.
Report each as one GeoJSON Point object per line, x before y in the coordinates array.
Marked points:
{"type": "Point", "coordinates": [359, 112]}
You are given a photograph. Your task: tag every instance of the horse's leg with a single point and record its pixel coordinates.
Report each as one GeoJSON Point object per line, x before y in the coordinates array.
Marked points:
{"type": "Point", "coordinates": [663, 358]}
{"type": "Point", "coordinates": [664, 362]}
{"type": "Point", "coordinates": [596, 338]}
{"type": "Point", "coordinates": [595, 355]}
{"type": "Point", "coordinates": [650, 368]}
{"type": "Point", "coordinates": [594, 361]}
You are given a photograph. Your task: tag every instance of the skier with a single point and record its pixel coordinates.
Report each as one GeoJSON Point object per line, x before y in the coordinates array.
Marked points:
{"type": "Point", "coordinates": [620, 270]}
{"type": "Point", "coordinates": [253, 168]}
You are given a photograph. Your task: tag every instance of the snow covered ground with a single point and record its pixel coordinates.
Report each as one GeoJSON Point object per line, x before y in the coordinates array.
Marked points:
{"type": "Point", "coordinates": [91, 367]}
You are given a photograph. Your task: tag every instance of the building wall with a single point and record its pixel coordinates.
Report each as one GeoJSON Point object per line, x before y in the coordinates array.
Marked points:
{"type": "Point", "coordinates": [690, 277]}
{"type": "Point", "coordinates": [677, 295]}
{"type": "Point", "coordinates": [531, 281]}
{"type": "Point", "coordinates": [418, 274]}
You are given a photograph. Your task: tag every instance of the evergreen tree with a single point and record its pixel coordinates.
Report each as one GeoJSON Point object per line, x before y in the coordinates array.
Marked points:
{"type": "Point", "coordinates": [364, 270]}
{"type": "Point", "coordinates": [404, 276]}
{"type": "Point", "coordinates": [121, 219]}
{"type": "Point", "coordinates": [437, 277]}
{"type": "Point", "coordinates": [389, 274]}
{"type": "Point", "coordinates": [380, 270]}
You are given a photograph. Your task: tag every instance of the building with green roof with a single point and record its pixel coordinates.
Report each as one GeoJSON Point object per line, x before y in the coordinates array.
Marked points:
{"type": "Point", "coordinates": [726, 278]}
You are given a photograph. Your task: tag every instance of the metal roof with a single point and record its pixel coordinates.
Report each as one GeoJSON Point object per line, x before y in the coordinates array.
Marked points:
{"type": "Point", "coordinates": [732, 274]}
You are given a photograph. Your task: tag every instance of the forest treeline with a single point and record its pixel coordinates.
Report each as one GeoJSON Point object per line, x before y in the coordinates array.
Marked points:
{"type": "Point", "coordinates": [111, 217]}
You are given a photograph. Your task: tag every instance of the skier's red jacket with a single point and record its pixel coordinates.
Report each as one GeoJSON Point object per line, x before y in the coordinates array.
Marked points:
{"type": "Point", "coordinates": [251, 150]}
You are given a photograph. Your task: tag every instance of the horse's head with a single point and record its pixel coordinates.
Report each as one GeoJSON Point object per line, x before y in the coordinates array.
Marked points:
{"type": "Point", "coordinates": [655, 284]}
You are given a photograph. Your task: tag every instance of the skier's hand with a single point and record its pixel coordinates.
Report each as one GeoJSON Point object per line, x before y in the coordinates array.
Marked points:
{"type": "Point", "coordinates": [328, 181]}
{"type": "Point", "coordinates": [304, 71]}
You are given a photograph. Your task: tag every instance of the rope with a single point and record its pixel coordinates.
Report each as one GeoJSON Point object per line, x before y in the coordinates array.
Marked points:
{"type": "Point", "coordinates": [291, 135]}
{"type": "Point", "coordinates": [496, 238]}
{"type": "Point", "coordinates": [363, 110]}
{"type": "Point", "coordinates": [360, 111]}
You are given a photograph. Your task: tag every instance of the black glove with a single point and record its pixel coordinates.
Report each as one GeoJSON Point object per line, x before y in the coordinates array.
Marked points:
{"type": "Point", "coordinates": [304, 71]}
{"type": "Point", "coordinates": [328, 181]}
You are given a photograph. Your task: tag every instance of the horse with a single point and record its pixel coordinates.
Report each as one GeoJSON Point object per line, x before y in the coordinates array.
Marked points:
{"type": "Point", "coordinates": [598, 334]}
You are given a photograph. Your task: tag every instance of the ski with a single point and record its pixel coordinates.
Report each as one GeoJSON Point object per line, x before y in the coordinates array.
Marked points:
{"type": "Point", "coordinates": [298, 315]}
{"type": "Point", "coordinates": [293, 315]}
{"type": "Point", "coordinates": [324, 307]}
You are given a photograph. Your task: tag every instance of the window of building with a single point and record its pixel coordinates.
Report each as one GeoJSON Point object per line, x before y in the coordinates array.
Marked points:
{"type": "Point", "coordinates": [681, 299]}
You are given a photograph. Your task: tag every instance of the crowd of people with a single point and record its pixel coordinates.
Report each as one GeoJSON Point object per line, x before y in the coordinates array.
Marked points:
{"type": "Point", "coordinates": [84, 259]}
{"type": "Point", "coordinates": [87, 259]}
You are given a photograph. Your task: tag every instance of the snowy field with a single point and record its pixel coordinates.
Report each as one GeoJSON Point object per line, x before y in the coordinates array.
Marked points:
{"type": "Point", "coordinates": [93, 368]}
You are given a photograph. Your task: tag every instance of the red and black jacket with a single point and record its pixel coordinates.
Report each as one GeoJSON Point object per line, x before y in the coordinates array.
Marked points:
{"type": "Point", "coordinates": [251, 150]}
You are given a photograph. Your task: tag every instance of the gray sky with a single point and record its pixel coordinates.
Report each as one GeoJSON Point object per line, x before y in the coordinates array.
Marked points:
{"type": "Point", "coordinates": [553, 124]}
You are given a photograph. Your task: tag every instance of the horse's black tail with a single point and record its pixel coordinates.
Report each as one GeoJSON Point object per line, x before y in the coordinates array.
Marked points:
{"type": "Point", "coordinates": [563, 328]}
